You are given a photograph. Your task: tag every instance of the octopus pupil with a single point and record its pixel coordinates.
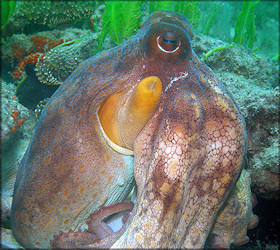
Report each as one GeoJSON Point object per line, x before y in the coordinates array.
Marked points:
{"type": "Point", "coordinates": [168, 42]}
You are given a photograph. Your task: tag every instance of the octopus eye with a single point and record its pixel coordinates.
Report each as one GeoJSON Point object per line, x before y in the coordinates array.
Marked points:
{"type": "Point", "coordinates": [168, 42]}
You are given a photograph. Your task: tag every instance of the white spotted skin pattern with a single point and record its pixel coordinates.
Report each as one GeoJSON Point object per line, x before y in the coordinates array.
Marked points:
{"type": "Point", "coordinates": [185, 172]}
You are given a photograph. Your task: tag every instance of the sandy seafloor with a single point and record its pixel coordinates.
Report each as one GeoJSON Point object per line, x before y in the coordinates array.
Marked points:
{"type": "Point", "coordinates": [253, 80]}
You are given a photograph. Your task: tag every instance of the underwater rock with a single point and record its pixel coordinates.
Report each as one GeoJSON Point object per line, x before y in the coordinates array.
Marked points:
{"type": "Point", "coordinates": [14, 116]}
{"type": "Point", "coordinates": [8, 241]}
{"type": "Point", "coordinates": [265, 172]}
{"type": "Point", "coordinates": [7, 197]}
{"type": "Point", "coordinates": [238, 61]}
{"type": "Point", "coordinates": [17, 126]}
{"type": "Point", "coordinates": [260, 108]}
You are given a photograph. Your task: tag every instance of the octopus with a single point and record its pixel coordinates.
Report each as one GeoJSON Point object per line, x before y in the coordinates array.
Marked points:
{"type": "Point", "coordinates": [149, 116]}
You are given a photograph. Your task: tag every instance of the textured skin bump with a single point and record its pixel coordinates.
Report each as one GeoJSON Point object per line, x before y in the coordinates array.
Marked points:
{"type": "Point", "coordinates": [232, 222]}
{"type": "Point", "coordinates": [185, 160]}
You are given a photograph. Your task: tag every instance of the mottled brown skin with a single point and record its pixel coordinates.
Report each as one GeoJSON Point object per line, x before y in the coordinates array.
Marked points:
{"type": "Point", "coordinates": [186, 159]}
{"type": "Point", "coordinates": [236, 217]}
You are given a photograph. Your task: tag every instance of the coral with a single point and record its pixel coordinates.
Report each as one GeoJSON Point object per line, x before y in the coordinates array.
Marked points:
{"type": "Point", "coordinates": [39, 43]}
{"type": "Point", "coordinates": [39, 108]}
{"type": "Point", "coordinates": [60, 62]}
{"type": "Point", "coordinates": [31, 59]}
{"type": "Point", "coordinates": [17, 74]}
{"type": "Point", "coordinates": [18, 120]}
{"type": "Point", "coordinates": [52, 44]}
{"type": "Point", "coordinates": [42, 44]}
{"type": "Point", "coordinates": [54, 12]}
{"type": "Point", "coordinates": [18, 52]}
